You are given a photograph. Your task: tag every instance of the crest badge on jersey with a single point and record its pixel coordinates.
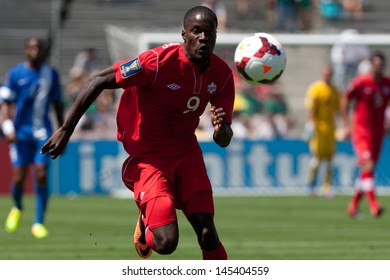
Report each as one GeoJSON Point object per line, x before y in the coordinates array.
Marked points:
{"type": "Point", "coordinates": [130, 68]}
{"type": "Point", "coordinates": [212, 88]}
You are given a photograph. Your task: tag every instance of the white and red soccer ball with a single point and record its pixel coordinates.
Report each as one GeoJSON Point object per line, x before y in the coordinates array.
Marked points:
{"type": "Point", "coordinates": [260, 59]}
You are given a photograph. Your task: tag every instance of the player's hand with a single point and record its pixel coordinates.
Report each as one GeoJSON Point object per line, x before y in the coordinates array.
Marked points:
{"type": "Point", "coordinates": [222, 131]}
{"type": "Point", "coordinates": [309, 130]}
{"type": "Point", "coordinates": [218, 117]}
{"type": "Point", "coordinates": [56, 143]}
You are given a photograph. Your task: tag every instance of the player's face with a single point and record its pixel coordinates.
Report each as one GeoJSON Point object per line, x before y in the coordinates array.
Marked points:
{"type": "Point", "coordinates": [327, 74]}
{"type": "Point", "coordinates": [199, 37]}
{"type": "Point", "coordinates": [34, 51]}
{"type": "Point", "coordinates": [378, 65]}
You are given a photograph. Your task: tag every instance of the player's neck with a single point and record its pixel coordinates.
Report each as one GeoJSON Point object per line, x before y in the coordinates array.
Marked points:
{"type": "Point", "coordinates": [34, 64]}
{"type": "Point", "coordinates": [377, 76]}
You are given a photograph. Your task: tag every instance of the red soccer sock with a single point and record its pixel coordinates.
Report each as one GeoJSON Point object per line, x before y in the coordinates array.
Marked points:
{"type": "Point", "coordinates": [356, 199]}
{"type": "Point", "coordinates": [372, 200]}
{"type": "Point", "coordinates": [354, 203]}
{"type": "Point", "coordinates": [217, 254]}
{"type": "Point", "coordinates": [366, 175]}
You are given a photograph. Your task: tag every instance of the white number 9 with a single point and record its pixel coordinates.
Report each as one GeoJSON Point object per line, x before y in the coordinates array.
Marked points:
{"type": "Point", "coordinates": [192, 104]}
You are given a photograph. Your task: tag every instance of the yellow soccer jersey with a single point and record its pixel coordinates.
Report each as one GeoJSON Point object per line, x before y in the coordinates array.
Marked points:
{"type": "Point", "coordinates": [324, 101]}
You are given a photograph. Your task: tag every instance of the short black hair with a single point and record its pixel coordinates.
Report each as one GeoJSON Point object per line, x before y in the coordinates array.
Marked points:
{"type": "Point", "coordinates": [200, 9]}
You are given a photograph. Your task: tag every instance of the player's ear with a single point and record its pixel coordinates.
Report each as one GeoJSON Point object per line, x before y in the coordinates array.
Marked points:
{"type": "Point", "coordinates": [183, 35]}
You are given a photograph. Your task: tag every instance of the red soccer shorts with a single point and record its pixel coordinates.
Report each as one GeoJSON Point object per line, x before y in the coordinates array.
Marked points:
{"type": "Point", "coordinates": [183, 180]}
{"type": "Point", "coordinates": [367, 148]}
{"type": "Point", "coordinates": [161, 211]}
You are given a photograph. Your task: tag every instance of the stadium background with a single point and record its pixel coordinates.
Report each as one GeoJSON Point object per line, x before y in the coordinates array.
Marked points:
{"type": "Point", "coordinates": [286, 226]}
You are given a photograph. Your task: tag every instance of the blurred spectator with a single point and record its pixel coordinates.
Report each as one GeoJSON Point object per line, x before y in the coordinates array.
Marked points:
{"type": "Point", "coordinates": [242, 125]}
{"type": "Point", "coordinates": [246, 102]}
{"type": "Point", "coordinates": [87, 60]}
{"type": "Point", "coordinates": [100, 120]}
{"type": "Point", "coordinates": [263, 127]}
{"type": "Point", "coordinates": [305, 14]}
{"type": "Point", "coordinates": [85, 63]}
{"type": "Point", "coordinates": [77, 78]}
{"type": "Point", "coordinates": [246, 105]}
{"type": "Point", "coordinates": [219, 9]}
{"type": "Point", "coordinates": [353, 8]}
{"type": "Point", "coordinates": [245, 8]}
{"type": "Point", "coordinates": [276, 110]}
{"type": "Point", "coordinates": [330, 9]}
{"type": "Point", "coordinates": [204, 131]}
{"type": "Point", "coordinates": [286, 15]}
{"type": "Point", "coordinates": [345, 57]}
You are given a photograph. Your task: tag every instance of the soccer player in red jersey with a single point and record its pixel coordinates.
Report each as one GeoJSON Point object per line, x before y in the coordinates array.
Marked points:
{"type": "Point", "coordinates": [166, 90]}
{"type": "Point", "coordinates": [370, 94]}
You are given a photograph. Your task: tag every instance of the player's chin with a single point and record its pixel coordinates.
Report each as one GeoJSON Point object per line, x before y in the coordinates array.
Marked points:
{"type": "Point", "coordinates": [201, 57]}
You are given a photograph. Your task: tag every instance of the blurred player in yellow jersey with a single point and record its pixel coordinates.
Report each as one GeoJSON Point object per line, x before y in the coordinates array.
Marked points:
{"type": "Point", "coordinates": [323, 103]}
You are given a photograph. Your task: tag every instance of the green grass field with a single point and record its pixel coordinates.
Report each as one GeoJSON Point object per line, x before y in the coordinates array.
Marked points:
{"type": "Point", "coordinates": [261, 228]}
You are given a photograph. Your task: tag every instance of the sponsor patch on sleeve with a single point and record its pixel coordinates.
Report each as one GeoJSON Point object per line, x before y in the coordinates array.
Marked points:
{"type": "Point", "coordinates": [130, 68]}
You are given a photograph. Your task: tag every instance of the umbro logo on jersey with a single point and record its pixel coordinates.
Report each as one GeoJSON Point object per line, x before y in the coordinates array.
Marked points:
{"type": "Point", "coordinates": [129, 68]}
{"type": "Point", "coordinates": [173, 86]}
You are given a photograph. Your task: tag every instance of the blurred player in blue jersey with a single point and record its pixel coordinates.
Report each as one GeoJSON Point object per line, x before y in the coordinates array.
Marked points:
{"type": "Point", "coordinates": [27, 93]}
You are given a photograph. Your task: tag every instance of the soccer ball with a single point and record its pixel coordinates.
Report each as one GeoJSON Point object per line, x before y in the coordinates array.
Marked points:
{"type": "Point", "coordinates": [260, 59]}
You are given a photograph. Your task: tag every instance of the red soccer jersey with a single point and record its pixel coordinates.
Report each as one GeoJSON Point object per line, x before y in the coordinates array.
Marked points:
{"type": "Point", "coordinates": [372, 98]}
{"type": "Point", "coordinates": [164, 97]}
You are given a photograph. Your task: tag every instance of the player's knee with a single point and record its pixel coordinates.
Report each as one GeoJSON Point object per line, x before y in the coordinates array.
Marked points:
{"type": "Point", "coordinates": [208, 239]}
{"type": "Point", "coordinates": [41, 176]}
{"type": "Point", "coordinates": [368, 166]}
{"type": "Point", "coordinates": [42, 181]}
{"type": "Point", "coordinates": [165, 244]}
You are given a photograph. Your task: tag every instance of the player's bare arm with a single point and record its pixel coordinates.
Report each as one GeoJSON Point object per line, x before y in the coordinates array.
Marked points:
{"type": "Point", "coordinates": [59, 111]}
{"type": "Point", "coordinates": [344, 112]}
{"type": "Point", "coordinates": [7, 114]}
{"type": "Point", "coordinates": [223, 133]}
{"type": "Point", "coordinates": [104, 79]}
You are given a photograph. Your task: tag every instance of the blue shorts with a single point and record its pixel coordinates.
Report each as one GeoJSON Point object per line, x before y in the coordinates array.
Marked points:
{"type": "Point", "coordinates": [26, 152]}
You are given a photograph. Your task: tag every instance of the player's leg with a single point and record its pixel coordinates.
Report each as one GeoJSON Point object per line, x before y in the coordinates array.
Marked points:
{"type": "Point", "coordinates": [20, 158]}
{"type": "Point", "coordinates": [353, 206]}
{"type": "Point", "coordinates": [38, 229]}
{"type": "Point", "coordinates": [199, 210]}
{"type": "Point", "coordinates": [375, 207]}
{"type": "Point", "coordinates": [313, 171]}
{"type": "Point", "coordinates": [368, 153]}
{"type": "Point", "coordinates": [160, 222]}
{"type": "Point", "coordinates": [327, 185]}
{"type": "Point", "coordinates": [17, 190]}
{"type": "Point", "coordinates": [313, 164]}
{"type": "Point", "coordinates": [153, 192]}
{"type": "Point", "coordinates": [328, 161]}
{"type": "Point", "coordinates": [194, 197]}
{"type": "Point", "coordinates": [41, 162]}
{"type": "Point", "coordinates": [368, 187]}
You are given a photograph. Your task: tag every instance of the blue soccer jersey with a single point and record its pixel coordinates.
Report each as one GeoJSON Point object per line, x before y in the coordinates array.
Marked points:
{"type": "Point", "coordinates": [32, 91]}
